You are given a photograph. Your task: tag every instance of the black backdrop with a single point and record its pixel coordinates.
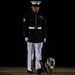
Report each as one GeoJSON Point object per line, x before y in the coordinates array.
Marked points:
{"type": "Point", "coordinates": [60, 33]}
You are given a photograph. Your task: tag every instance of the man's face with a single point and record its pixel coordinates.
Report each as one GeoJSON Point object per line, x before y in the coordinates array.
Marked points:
{"type": "Point", "coordinates": [35, 8]}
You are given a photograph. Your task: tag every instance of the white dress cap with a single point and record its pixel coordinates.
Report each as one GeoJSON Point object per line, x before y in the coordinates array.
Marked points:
{"type": "Point", "coordinates": [35, 2]}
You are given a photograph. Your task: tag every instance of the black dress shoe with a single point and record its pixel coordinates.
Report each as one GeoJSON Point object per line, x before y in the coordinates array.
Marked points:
{"type": "Point", "coordinates": [30, 71]}
{"type": "Point", "coordinates": [39, 71]}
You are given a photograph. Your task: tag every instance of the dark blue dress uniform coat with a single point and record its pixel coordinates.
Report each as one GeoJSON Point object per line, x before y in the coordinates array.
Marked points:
{"type": "Point", "coordinates": [34, 27]}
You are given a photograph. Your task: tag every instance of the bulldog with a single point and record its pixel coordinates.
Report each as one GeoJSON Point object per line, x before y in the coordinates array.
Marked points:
{"type": "Point", "coordinates": [48, 65]}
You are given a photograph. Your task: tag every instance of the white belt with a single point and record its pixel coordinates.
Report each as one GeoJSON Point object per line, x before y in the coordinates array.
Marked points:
{"type": "Point", "coordinates": [35, 28]}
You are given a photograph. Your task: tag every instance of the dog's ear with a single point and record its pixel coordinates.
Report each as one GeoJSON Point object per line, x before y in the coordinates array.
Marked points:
{"type": "Point", "coordinates": [48, 60]}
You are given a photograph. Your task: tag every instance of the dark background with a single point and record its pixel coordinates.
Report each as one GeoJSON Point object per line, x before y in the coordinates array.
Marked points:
{"type": "Point", "coordinates": [60, 33]}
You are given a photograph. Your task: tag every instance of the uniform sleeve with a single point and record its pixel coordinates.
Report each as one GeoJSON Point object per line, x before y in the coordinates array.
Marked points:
{"type": "Point", "coordinates": [25, 26]}
{"type": "Point", "coordinates": [44, 26]}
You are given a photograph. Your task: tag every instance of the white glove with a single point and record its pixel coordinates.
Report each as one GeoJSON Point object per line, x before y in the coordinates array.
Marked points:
{"type": "Point", "coordinates": [44, 39]}
{"type": "Point", "coordinates": [26, 39]}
